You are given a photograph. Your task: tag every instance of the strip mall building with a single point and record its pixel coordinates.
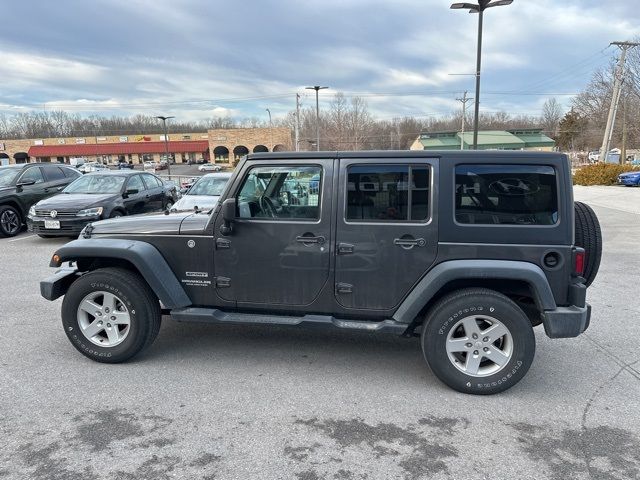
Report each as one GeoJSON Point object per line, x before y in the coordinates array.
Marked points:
{"type": "Point", "coordinates": [222, 146]}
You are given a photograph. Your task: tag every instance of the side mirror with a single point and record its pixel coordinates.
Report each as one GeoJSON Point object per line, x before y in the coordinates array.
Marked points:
{"type": "Point", "coordinates": [228, 215]}
{"type": "Point", "coordinates": [129, 191]}
{"type": "Point", "coordinates": [23, 183]}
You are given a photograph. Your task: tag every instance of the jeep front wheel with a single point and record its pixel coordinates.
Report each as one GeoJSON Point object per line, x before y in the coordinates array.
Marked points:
{"type": "Point", "coordinates": [478, 341]}
{"type": "Point", "coordinates": [110, 315]}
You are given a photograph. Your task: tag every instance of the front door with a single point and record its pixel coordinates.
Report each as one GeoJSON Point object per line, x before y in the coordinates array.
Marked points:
{"type": "Point", "coordinates": [386, 236]}
{"type": "Point", "coordinates": [278, 252]}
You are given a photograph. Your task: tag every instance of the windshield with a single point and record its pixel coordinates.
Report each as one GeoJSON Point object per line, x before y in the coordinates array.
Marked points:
{"type": "Point", "coordinates": [208, 186]}
{"type": "Point", "coordinates": [96, 184]}
{"type": "Point", "coordinates": [8, 175]}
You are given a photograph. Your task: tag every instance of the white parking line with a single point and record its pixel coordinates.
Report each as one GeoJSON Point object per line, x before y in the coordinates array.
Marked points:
{"type": "Point", "coordinates": [22, 238]}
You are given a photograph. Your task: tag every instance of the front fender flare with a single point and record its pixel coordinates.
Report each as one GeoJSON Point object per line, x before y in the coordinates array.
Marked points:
{"type": "Point", "coordinates": [446, 272]}
{"type": "Point", "coordinates": [146, 258]}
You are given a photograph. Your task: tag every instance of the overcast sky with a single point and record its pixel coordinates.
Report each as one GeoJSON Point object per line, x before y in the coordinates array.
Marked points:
{"type": "Point", "coordinates": [197, 58]}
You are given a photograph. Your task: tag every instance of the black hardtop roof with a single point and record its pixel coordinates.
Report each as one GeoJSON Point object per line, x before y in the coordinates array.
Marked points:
{"type": "Point", "coordinates": [471, 155]}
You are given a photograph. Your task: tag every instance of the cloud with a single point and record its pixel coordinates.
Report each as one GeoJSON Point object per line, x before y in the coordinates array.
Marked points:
{"type": "Point", "coordinates": [198, 59]}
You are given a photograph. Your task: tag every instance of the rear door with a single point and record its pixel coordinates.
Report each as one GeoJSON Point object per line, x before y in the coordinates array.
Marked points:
{"type": "Point", "coordinates": [386, 236]}
{"type": "Point", "coordinates": [155, 193]}
{"type": "Point", "coordinates": [56, 180]}
{"type": "Point", "coordinates": [136, 202]}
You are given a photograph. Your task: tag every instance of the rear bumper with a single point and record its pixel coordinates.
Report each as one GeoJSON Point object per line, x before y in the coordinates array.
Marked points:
{"type": "Point", "coordinates": [567, 322]}
{"type": "Point", "coordinates": [56, 285]}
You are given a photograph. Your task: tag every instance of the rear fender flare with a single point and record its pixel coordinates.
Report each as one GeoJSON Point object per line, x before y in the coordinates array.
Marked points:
{"type": "Point", "coordinates": [446, 272]}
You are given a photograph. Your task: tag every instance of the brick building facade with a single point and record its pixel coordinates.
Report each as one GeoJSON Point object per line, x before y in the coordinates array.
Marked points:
{"type": "Point", "coordinates": [223, 146]}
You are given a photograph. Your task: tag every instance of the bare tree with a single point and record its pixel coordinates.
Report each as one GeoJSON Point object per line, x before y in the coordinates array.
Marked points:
{"type": "Point", "coordinates": [551, 116]}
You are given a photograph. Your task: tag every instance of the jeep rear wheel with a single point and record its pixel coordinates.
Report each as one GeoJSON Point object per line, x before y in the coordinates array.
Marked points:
{"type": "Point", "coordinates": [110, 315]}
{"type": "Point", "coordinates": [589, 237]}
{"type": "Point", "coordinates": [478, 341]}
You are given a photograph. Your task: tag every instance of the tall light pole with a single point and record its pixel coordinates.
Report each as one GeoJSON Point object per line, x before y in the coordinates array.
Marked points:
{"type": "Point", "coordinates": [270, 129]}
{"type": "Point", "coordinates": [479, 9]}
{"type": "Point", "coordinates": [317, 88]}
{"type": "Point", "coordinates": [166, 142]}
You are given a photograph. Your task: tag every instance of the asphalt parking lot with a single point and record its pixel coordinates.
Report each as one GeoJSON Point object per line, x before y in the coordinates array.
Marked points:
{"type": "Point", "coordinates": [230, 402]}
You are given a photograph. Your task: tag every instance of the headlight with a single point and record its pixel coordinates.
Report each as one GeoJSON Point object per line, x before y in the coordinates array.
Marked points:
{"type": "Point", "coordinates": [90, 212]}
{"type": "Point", "coordinates": [32, 211]}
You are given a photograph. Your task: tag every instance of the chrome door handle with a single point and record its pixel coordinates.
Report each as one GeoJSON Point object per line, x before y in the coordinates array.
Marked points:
{"type": "Point", "coordinates": [319, 240]}
{"type": "Point", "coordinates": [409, 242]}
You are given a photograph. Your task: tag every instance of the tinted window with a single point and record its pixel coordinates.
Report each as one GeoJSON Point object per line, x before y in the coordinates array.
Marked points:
{"type": "Point", "coordinates": [135, 183]}
{"type": "Point", "coordinates": [506, 195]}
{"type": "Point", "coordinates": [291, 192]}
{"type": "Point", "coordinates": [151, 181]}
{"type": "Point", "coordinates": [387, 193]}
{"type": "Point", "coordinates": [71, 172]}
{"type": "Point", "coordinates": [32, 174]}
{"type": "Point", "coordinates": [54, 173]}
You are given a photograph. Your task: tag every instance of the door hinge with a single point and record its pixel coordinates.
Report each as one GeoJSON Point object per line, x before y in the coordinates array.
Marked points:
{"type": "Point", "coordinates": [344, 288]}
{"type": "Point", "coordinates": [344, 248]}
{"type": "Point", "coordinates": [222, 282]}
{"type": "Point", "coordinates": [222, 243]}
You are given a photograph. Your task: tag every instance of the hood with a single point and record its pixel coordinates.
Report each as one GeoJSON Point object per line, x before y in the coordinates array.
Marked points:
{"type": "Point", "coordinates": [150, 224]}
{"type": "Point", "coordinates": [153, 224]}
{"type": "Point", "coordinates": [188, 202]}
{"type": "Point", "coordinates": [630, 174]}
{"type": "Point", "coordinates": [76, 201]}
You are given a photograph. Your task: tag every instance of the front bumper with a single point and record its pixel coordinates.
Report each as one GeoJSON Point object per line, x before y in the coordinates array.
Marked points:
{"type": "Point", "coordinates": [68, 226]}
{"type": "Point", "coordinates": [56, 285]}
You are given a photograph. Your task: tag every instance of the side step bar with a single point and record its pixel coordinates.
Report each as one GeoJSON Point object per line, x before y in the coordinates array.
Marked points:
{"type": "Point", "coordinates": [213, 315]}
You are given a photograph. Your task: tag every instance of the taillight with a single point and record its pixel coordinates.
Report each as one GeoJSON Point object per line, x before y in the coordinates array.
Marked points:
{"type": "Point", "coordinates": [578, 262]}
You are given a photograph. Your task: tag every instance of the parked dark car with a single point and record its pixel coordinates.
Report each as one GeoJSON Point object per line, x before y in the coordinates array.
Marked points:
{"type": "Point", "coordinates": [468, 251]}
{"type": "Point", "coordinates": [23, 185]}
{"type": "Point", "coordinates": [125, 165]}
{"type": "Point", "coordinates": [100, 195]}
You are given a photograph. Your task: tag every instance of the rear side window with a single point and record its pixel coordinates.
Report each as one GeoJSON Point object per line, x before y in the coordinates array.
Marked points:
{"type": "Point", "coordinates": [506, 195]}
{"type": "Point", "coordinates": [387, 193]}
{"type": "Point", "coordinates": [54, 173]}
{"type": "Point", "coordinates": [71, 172]}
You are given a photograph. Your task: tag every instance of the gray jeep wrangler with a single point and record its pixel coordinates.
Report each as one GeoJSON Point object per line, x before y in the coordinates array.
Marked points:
{"type": "Point", "coordinates": [466, 250]}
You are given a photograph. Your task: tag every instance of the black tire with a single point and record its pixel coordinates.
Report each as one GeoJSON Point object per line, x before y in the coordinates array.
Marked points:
{"type": "Point", "coordinates": [445, 317]}
{"type": "Point", "coordinates": [117, 214]}
{"type": "Point", "coordinates": [168, 205]}
{"type": "Point", "coordinates": [10, 221]}
{"type": "Point", "coordinates": [138, 298]}
{"type": "Point", "coordinates": [589, 237]}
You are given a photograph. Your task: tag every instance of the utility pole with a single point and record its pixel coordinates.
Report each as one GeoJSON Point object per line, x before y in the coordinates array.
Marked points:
{"type": "Point", "coordinates": [166, 142]}
{"type": "Point", "coordinates": [270, 129]}
{"type": "Point", "coordinates": [464, 101]}
{"type": "Point", "coordinates": [297, 130]}
{"type": "Point", "coordinates": [615, 98]}
{"type": "Point", "coordinates": [623, 150]}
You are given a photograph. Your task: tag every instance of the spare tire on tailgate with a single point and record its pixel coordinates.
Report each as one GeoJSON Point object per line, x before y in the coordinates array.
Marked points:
{"type": "Point", "coordinates": [589, 237]}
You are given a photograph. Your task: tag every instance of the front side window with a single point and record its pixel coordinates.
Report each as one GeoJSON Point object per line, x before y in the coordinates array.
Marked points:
{"type": "Point", "coordinates": [135, 183]}
{"type": "Point", "coordinates": [506, 195]}
{"type": "Point", "coordinates": [281, 193]}
{"type": "Point", "coordinates": [387, 193]}
{"type": "Point", "coordinates": [32, 174]}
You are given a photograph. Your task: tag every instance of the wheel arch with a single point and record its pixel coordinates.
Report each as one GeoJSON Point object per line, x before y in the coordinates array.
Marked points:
{"type": "Point", "coordinates": [141, 257]}
{"type": "Point", "coordinates": [14, 203]}
{"type": "Point", "coordinates": [512, 278]}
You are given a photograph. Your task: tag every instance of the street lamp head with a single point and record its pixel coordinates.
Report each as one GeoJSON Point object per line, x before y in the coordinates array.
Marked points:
{"type": "Point", "coordinates": [498, 3]}
{"type": "Point", "coordinates": [163, 118]}
{"type": "Point", "coordinates": [457, 6]}
{"type": "Point", "coordinates": [316, 88]}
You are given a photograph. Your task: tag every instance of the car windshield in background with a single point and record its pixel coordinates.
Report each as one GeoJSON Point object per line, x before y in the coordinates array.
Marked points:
{"type": "Point", "coordinates": [8, 175]}
{"type": "Point", "coordinates": [96, 184]}
{"type": "Point", "coordinates": [209, 186]}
